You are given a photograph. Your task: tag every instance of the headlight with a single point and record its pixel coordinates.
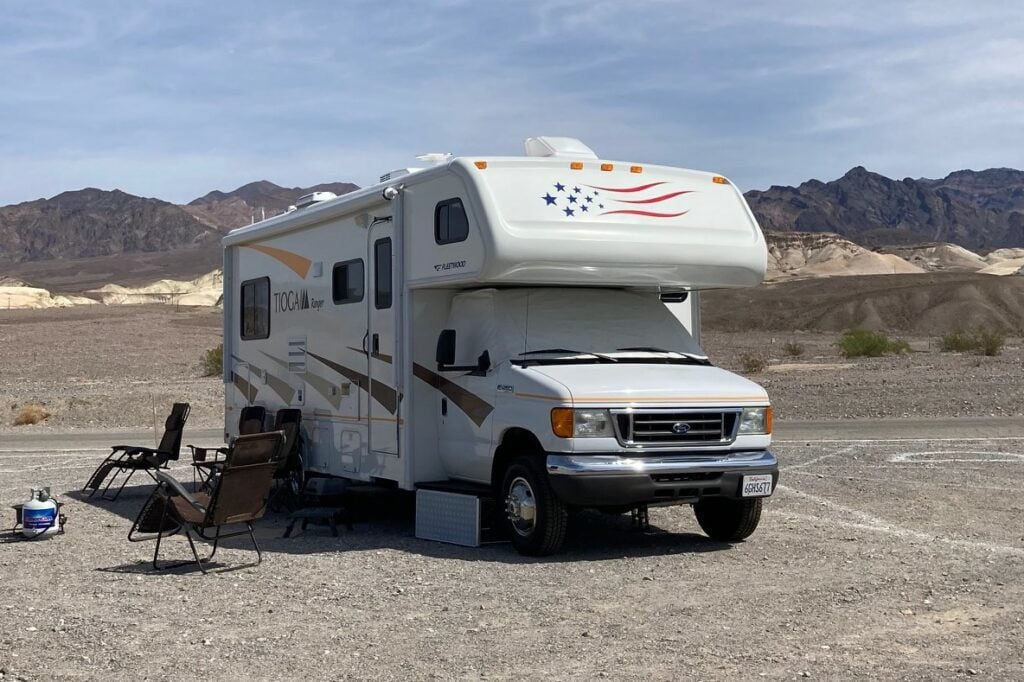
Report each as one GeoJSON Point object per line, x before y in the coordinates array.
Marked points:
{"type": "Point", "coordinates": [755, 421]}
{"type": "Point", "coordinates": [569, 423]}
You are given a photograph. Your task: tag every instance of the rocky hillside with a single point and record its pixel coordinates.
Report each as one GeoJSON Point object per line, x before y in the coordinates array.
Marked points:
{"type": "Point", "coordinates": [227, 210]}
{"type": "Point", "coordinates": [92, 222]}
{"type": "Point", "coordinates": [979, 210]}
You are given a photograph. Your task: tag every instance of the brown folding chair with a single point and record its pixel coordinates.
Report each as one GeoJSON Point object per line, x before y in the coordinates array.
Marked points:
{"type": "Point", "coordinates": [289, 473]}
{"type": "Point", "coordinates": [132, 458]}
{"type": "Point", "coordinates": [250, 421]}
{"type": "Point", "coordinates": [239, 497]}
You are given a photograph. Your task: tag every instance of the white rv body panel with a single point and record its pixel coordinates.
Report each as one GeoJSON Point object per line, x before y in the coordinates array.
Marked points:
{"type": "Point", "coordinates": [336, 309]}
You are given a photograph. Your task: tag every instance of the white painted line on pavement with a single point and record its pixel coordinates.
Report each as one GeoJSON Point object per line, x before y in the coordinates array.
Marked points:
{"type": "Point", "coordinates": [866, 521]}
{"type": "Point", "coordinates": [896, 440]}
{"type": "Point", "coordinates": [914, 457]}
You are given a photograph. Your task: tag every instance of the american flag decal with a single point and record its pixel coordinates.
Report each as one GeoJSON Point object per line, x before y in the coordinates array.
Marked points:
{"type": "Point", "coordinates": [651, 200]}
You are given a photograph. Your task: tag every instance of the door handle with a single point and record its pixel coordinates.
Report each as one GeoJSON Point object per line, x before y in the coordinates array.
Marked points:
{"type": "Point", "coordinates": [444, 407]}
{"type": "Point", "coordinates": [376, 344]}
{"type": "Point", "coordinates": [365, 336]}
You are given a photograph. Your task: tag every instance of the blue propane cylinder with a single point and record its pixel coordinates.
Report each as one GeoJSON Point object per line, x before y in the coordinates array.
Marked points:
{"type": "Point", "coordinates": [39, 515]}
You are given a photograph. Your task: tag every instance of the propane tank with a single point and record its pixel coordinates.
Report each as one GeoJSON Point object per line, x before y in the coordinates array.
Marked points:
{"type": "Point", "coordinates": [39, 515]}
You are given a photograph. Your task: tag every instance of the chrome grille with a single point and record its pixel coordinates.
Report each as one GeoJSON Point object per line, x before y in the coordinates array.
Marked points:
{"type": "Point", "coordinates": [679, 428]}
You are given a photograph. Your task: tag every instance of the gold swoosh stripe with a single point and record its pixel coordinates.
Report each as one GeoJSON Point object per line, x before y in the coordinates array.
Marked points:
{"type": "Point", "coordinates": [382, 393]}
{"type": "Point", "coordinates": [299, 264]}
{"type": "Point", "coordinates": [475, 407]}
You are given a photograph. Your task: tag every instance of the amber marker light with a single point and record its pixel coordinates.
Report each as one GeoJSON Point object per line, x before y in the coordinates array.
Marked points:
{"type": "Point", "coordinates": [562, 422]}
{"type": "Point", "coordinates": [576, 165]}
{"type": "Point", "coordinates": [719, 180]}
{"type": "Point", "coordinates": [768, 419]}
{"type": "Point", "coordinates": [607, 166]}
{"type": "Point", "coordinates": [480, 164]}
{"type": "Point", "coordinates": [636, 169]}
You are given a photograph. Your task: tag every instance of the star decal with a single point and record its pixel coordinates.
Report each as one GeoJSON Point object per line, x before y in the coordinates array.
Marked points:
{"type": "Point", "coordinates": [549, 199]}
{"type": "Point", "coordinates": [576, 190]}
{"type": "Point", "coordinates": [568, 212]}
{"type": "Point", "coordinates": [584, 208]}
{"type": "Point", "coordinates": [572, 198]}
{"type": "Point", "coordinates": [590, 199]}
{"type": "Point", "coordinates": [559, 187]}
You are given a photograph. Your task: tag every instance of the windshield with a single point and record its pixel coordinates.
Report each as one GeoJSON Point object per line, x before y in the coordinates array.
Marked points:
{"type": "Point", "coordinates": [544, 325]}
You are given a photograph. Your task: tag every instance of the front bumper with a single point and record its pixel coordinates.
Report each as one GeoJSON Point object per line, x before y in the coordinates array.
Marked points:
{"type": "Point", "coordinates": [602, 480]}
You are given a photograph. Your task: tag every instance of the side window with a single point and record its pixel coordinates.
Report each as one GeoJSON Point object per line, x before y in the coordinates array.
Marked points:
{"type": "Point", "coordinates": [347, 281]}
{"type": "Point", "coordinates": [256, 309]}
{"type": "Point", "coordinates": [382, 273]}
{"type": "Point", "coordinates": [450, 222]}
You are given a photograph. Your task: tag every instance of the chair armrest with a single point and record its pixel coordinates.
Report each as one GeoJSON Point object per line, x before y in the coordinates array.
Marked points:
{"type": "Point", "coordinates": [178, 489]}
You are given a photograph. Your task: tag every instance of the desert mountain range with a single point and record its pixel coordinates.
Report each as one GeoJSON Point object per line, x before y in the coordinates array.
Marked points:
{"type": "Point", "coordinates": [94, 246]}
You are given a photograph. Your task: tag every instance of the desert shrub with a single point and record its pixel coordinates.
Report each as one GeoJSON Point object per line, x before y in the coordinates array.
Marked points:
{"type": "Point", "coordinates": [985, 341]}
{"type": "Point", "coordinates": [753, 363]}
{"type": "Point", "coordinates": [793, 349]}
{"type": "Point", "coordinates": [213, 361]}
{"type": "Point", "coordinates": [958, 341]}
{"type": "Point", "coordinates": [33, 413]}
{"type": "Point", "coordinates": [863, 343]}
{"type": "Point", "coordinates": [991, 342]}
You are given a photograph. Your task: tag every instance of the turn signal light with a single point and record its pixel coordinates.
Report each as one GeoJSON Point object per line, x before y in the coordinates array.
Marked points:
{"type": "Point", "coordinates": [576, 165]}
{"type": "Point", "coordinates": [607, 167]}
{"type": "Point", "coordinates": [562, 422]}
{"type": "Point", "coordinates": [480, 164]}
{"type": "Point", "coordinates": [636, 169]}
{"type": "Point", "coordinates": [719, 180]}
{"type": "Point", "coordinates": [768, 420]}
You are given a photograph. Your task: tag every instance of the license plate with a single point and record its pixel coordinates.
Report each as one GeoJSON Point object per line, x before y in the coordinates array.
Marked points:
{"type": "Point", "coordinates": [757, 485]}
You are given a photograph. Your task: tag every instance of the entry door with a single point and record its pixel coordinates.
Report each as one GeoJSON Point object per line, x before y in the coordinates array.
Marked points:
{"type": "Point", "coordinates": [383, 403]}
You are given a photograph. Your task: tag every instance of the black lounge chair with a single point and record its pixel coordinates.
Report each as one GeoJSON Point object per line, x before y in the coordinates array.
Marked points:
{"type": "Point", "coordinates": [127, 459]}
{"type": "Point", "coordinates": [290, 466]}
{"type": "Point", "coordinates": [250, 421]}
{"type": "Point", "coordinates": [239, 497]}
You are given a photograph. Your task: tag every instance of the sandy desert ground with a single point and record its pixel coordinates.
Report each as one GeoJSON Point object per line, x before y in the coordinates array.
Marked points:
{"type": "Point", "coordinates": [888, 552]}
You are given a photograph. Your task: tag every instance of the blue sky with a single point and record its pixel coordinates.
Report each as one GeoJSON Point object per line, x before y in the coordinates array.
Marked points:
{"type": "Point", "coordinates": [175, 99]}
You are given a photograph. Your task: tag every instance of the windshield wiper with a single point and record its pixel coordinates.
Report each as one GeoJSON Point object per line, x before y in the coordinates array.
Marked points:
{"type": "Point", "coordinates": [567, 351]}
{"type": "Point", "coordinates": [685, 357]}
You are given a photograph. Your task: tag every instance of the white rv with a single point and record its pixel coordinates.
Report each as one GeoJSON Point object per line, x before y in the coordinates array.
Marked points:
{"type": "Point", "coordinates": [526, 325]}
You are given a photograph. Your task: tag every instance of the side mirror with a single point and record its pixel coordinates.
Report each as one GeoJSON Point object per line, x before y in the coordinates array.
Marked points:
{"type": "Point", "coordinates": [446, 348]}
{"type": "Point", "coordinates": [675, 296]}
{"type": "Point", "coordinates": [445, 356]}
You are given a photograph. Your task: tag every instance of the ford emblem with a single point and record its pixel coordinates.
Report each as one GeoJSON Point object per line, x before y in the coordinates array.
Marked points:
{"type": "Point", "coordinates": [679, 428]}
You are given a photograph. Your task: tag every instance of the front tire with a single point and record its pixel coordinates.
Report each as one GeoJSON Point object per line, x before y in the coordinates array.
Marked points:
{"type": "Point", "coordinates": [728, 520]}
{"type": "Point", "coordinates": [536, 520]}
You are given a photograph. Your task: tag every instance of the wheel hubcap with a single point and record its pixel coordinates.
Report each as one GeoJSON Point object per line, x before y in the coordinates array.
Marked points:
{"type": "Point", "coordinates": [521, 506]}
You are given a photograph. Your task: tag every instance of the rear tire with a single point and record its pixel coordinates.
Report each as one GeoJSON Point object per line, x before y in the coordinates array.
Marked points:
{"type": "Point", "coordinates": [728, 520]}
{"type": "Point", "coordinates": [536, 520]}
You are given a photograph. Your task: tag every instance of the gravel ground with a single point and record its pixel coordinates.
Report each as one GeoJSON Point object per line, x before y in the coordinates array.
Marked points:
{"type": "Point", "coordinates": [874, 560]}
{"type": "Point", "coordinates": [894, 560]}
{"type": "Point", "coordinates": [115, 367]}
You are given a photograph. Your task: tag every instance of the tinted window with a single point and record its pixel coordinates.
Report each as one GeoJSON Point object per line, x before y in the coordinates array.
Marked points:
{"type": "Point", "coordinates": [382, 273]}
{"type": "Point", "coordinates": [450, 222]}
{"type": "Point", "coordinates": [256, 309]}
{"type": "Point", "coordinates": [347, 281]}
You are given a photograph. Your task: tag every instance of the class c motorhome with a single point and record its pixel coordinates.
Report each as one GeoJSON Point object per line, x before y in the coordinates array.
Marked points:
{"type": "Point", "coordinates": [527, 325]}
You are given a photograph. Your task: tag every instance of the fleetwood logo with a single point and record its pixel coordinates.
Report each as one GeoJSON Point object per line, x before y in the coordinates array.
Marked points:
{"type": "Point", "coordinates": [680, 428]}
{"type": "Point", "coordinates": [295, 300]}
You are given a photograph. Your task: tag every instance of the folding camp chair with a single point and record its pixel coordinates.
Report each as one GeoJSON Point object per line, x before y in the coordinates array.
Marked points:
{"type": "Point", "coordinates": [239, 497]}
{"type": "Point", "coordinates": [289, 471]}
{"type": "Point", "coordinates": [250, 421]}
{"type": "Point", "coordinates": [127, 459]}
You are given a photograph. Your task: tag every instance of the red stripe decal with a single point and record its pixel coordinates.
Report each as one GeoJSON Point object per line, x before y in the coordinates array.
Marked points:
{"type": "Point", "coordinates": [650, 214]}
{"type": "Point", "coordinates": [641, 188]}
{"type": "Point", "coordinates": [655, 200]}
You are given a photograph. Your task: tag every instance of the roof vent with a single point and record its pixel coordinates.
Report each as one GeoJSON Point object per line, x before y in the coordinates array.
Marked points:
{"type": "Point", "coordinates": [314, 198]}
{"type": "Point", "coordinates": [558, 147]}
{"type": "Point", "coordinates": [397, 173]}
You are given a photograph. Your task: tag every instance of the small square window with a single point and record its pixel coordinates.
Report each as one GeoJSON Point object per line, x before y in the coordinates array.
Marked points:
{"type": "Point", "coordinates": [450, 222]}
{"type": "Point", "coordinates": [347, 281]}
{"type": "Point", "coordinates": [255, 305]}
